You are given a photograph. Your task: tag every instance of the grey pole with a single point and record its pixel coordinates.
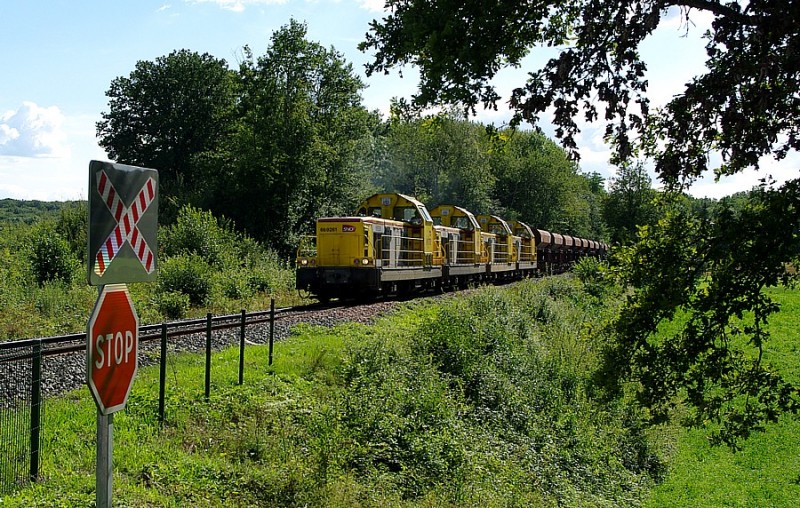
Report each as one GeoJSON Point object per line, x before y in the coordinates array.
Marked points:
{"type": "Point", "coordinates": [105, 452]}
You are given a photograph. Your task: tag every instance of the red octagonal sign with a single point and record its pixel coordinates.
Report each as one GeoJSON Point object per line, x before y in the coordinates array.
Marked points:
{"type": "Point", "coordinates": [113, 348]}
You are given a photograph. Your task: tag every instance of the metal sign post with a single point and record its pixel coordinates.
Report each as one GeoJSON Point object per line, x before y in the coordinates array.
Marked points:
{"type": "Point", "coordinates": [105, 453]}
{"type": "Point", "coordinates": [122, 242]}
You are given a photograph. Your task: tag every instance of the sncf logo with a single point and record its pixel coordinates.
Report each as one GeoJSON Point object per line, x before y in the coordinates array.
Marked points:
{"type": "Point", "coordinates": [348, 229]}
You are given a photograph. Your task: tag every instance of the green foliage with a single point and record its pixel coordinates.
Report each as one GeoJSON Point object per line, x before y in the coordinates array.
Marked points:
{"type": "Point", "coordinates": [51, 256]}
{"type": "Point", "coordinates": [439, 159]}
{"type": "Point", "coordinates": [743, 108]}
{"type": "Point", "coordinates": [166, 113]}
{"type": "Point", "coordinates": [595, 276]}
{"type": "Point", "coordinates": [738, 107]}
{"type": "Point", "coordinates": [630, 203]}
{"type": "Point", "coordinates": [479, 395]}
{"type": "Point", "coordinates": [73, 225]}
{"type": "Point", "coordinates": [208, 267]}
{"type": "Point", "coordinates": [172, 304]}
{"type": "Point", "coordinates": [14, 211]}
{"type": "Point", "coordinates": [295, 151]}
{"type": "Point", "coordinates": [537, 183]}
{"type": "Point", "coordinates": [714, 361]}
{"type": "Point", "coordinates": [445, 159]}
{"type": "Point", "coordinates": [198, 232]}
{"type": "Point", "coordinates": [186, 274]}
{"type": "Point", "coordinates": [764, 470]}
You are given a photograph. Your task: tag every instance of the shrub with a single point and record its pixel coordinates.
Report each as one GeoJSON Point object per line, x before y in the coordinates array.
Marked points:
{"type": "Point", "coordinates": [198, 232]}
{"type": "Point", "coordinates": [73, 225]}
{"type": "Point", "coordinates": [173, 305]}
{"type": "Point", "coordinates": [235, 286]}
{"type": "Point", "coordinates": [591, 272]}
{"type": "Point", "coordinates": [51, 257]}
{"type": "Point", "coordinates": [188, 275]}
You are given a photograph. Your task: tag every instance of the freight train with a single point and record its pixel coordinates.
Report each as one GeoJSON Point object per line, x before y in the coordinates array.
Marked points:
{"type": "Point", "coordinates": [394, 245]}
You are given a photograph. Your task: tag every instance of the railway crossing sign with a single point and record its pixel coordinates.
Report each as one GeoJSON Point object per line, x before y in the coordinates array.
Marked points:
{"type": "Point", "coordinates": [112, 352]}
{"type": "Point", "coordinates": [123, 218]}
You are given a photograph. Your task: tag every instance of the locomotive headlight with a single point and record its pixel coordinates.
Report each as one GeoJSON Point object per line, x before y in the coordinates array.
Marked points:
{"type": "Point", "coordinates": [304, 262]}
{"type": "Point", "coordinates": [365, 261]}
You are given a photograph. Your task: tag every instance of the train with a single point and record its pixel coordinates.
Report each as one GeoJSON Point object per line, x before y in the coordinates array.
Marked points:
{"type": "Point", "coordinates": [394, 245]}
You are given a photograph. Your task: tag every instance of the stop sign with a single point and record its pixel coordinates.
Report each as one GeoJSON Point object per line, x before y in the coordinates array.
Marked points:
{"type": "Point", "coordinates": [112, 352]}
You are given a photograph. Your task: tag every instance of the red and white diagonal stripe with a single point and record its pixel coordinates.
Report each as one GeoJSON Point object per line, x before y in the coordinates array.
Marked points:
{"type": "Point", "coordinates": [125, 230]}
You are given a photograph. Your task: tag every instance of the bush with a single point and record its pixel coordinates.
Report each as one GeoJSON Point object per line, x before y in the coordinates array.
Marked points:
{"type": "Point", "coordinates": [591, 272]}
{"type": "Point", "coordinates": [189, 275]}
{"type": "Point", "coordinates": [73, 225]}
{"type": "Point", "coordinates": [173, 305]}
{"type": "Point", "coordinates": [198, 232]}
{"type": "Point", "coordinates": [235, 286]}
{"type": "Point", "coordinates": [51, 257]}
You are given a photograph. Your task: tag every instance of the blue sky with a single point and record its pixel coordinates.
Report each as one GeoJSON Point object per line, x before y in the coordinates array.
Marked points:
{"type": "Point", "coordinates": [58, 58]}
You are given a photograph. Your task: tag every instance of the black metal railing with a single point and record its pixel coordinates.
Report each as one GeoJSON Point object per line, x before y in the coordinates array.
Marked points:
{"type": "Point", "coordinates": [21, 399]}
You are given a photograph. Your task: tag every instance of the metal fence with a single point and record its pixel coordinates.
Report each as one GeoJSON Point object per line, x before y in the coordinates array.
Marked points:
{"type": "Point", "coordinates": [21, 370]}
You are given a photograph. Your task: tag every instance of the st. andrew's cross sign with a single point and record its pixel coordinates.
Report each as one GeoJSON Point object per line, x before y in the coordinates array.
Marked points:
{"type": "Point", "coordinates": [123, 218]}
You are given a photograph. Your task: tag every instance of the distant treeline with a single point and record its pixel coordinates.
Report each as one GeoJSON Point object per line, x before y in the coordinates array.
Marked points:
{"type": "Point", "coordinates": [16, 211]}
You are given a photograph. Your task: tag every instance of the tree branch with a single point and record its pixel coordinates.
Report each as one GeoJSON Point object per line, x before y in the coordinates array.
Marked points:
{"type": "Point", "coordinates": [716, 8]}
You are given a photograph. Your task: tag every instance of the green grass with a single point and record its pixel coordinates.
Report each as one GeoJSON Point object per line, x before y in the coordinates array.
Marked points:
{"type": "Point", "coordinates": [766, 471]}
{"type": "Point", "coordinates": [481, 400]}
{"type": "Point", "coordinates": [478, 401]}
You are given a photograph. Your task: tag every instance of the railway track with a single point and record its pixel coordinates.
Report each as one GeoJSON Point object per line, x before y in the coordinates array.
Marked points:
{"type": "Point", "coordinates": [64, 357]}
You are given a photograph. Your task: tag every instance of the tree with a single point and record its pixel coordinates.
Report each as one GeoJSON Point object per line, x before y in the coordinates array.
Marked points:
{"type": "Point", "coordinates": [745, 106]}
{"type": "Point", "coordinates": [439, 159]}
{"type": "Point", "coordinates": [294, 156]}
{"type": "Point", "coordinates": [537, 182]}
{"type": "Point", "coordinates": [166, 113]}
{"type": "Point", "coordinates": [629, 203]}
{"type": "Point", "coordinates": [738, 107]}
{"type": "Point", "coordinates": [271, 146]}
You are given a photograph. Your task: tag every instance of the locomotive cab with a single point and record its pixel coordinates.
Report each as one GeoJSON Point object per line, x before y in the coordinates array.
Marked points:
{"type": "Point", "coordinates": [504, 247]}
{"type": "Point", "coordinates": [463, 230]}
{"type": "Point", "coordinates": [465, 256]}
{"type": "Point", "coordinates": [527, 260]}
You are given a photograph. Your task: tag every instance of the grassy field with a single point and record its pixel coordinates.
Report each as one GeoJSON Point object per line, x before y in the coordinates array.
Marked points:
{"type": "Point", "coordinates": [478, 401]}
{"type": "Point", "coordinates": [481, 400]}
{"type": "Point", "coordinates": [766, 471]}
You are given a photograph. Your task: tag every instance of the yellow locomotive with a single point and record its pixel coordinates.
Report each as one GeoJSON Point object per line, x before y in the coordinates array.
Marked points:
{"type": "Point", "coordinates": [393, 245]}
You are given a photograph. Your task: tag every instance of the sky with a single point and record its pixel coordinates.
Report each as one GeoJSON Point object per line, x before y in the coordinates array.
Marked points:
{"type": "Point", "coordinates": [58, 58]}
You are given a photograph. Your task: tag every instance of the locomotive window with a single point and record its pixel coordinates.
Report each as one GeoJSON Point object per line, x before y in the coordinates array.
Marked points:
{"type": "Point", "coordinates": [424, 213]}
{"type": "Point", "coordinates": [462, 223]}
{"type": "Point", "coordinates": [405, 213]}
{"type": "Point", "coordinates": [362, 212]}
{"type": "Point", "coordinates": [375, 211]}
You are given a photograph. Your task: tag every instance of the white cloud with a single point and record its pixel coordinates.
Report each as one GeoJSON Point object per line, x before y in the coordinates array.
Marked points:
{"type": "Point", "coordinates": [779, 172]}
{"type": "Point", "coordinates": [164, 8]}
{"type": "Point", "coordinates": [33, 131]}
{"type": "Point", "coordinates": [50, 179]}
{"type": "Point", "coordinates": [373, 5]}
{"type": "Point", "coordinates": [238, 5]}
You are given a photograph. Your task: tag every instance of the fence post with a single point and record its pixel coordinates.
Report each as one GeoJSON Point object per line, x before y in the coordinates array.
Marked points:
{"type": "Point", "coordinates": [241, 348]}
{"type": "Point", "coordinates": [36, 408]}
{"type": "Point", "coordinates": [208, 355]}
{"type": "Point", "coordinates": [162, 374]}
{"type": "Point", "coordinates": [271, 326]}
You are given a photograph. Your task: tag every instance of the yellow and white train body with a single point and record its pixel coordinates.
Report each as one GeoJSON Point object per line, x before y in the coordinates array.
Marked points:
{"type": "Point", "coordinates": [390, 246]}
{"type": "Point", "coordinates": [394, 245]}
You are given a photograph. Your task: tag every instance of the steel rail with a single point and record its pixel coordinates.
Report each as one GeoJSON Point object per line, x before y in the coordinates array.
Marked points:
{"type": "Point", "coordinates": [148, 332]}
